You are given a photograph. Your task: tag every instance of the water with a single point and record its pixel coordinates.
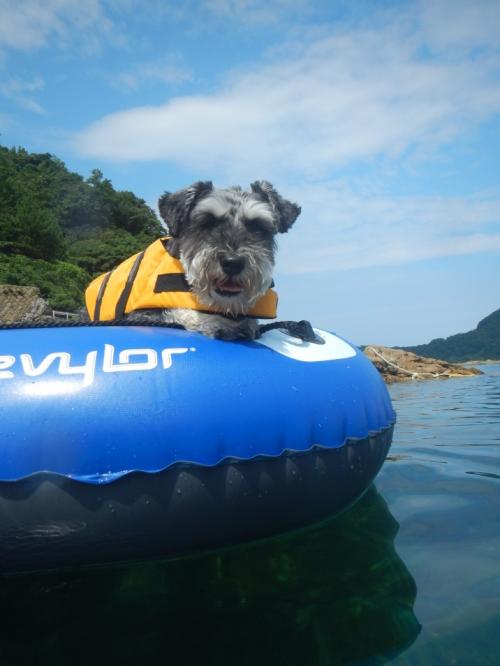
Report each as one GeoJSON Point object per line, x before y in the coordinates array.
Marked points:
{"type": "Point", "coordinates": [443, 487]}
{"type": "Point", "coordinates": [410, 575]}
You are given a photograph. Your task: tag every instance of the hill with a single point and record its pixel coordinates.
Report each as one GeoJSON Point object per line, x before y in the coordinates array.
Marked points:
{"type": "Point", "coordinates": [58, 229]}
{"type": "Point", "coordinates": [480, 344]}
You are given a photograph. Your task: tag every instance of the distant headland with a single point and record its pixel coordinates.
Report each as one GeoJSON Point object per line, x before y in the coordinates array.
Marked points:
{"type": "Point", "coordinates": [481, 344]}
{"type": "Point", "coordinates": [440, 358]}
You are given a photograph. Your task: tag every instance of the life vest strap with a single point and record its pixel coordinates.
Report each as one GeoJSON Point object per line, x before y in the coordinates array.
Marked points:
{"type": "Point", "coordinates": [100, 296]}
{"type": "Point", "coordinates": [122, 301]}
{"type": "Point", "coordinates": [171, 282]}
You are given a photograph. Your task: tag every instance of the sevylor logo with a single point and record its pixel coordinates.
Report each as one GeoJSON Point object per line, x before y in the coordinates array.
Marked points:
{"type": "Point", "coordinates": [126, 360]}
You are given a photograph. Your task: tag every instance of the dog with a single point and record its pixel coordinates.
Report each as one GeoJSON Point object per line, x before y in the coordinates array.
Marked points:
{"type": "Point", "coordinates": [225, 242]}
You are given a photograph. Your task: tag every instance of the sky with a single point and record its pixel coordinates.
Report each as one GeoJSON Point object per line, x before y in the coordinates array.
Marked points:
{"type": "Point", "coordinates": [381, 119]}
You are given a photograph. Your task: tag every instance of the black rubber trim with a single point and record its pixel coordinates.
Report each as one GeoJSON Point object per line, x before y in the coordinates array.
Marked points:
{"type": "Point", "coordinates": [48, 521]}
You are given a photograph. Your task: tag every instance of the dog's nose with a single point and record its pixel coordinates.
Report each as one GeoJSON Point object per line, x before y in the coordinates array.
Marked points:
{"type": "Point", "coordinates": [232, 265]}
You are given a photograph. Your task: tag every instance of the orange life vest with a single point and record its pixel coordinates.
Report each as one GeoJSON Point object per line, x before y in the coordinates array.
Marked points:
{"type": "Point", "coordinates": [154, 279]}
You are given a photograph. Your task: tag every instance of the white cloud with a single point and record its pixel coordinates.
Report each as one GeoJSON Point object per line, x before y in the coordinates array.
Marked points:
{"type": "Point", "coordinates": [30, 24]}
{"type": "Point", "coordinates": [461, 24]}
{"type": "Point", "coordinates": [340, 229]}
{"type": "Point", "coordinates": [256, 11]}
{"type": "Point", "coordinates": [166, 71]}
{"type": "Point", "coordinates": [21, 92]}
{"type": "Point", "coordinates": [324, 106]}
{"type": "Point", "coordinates": [350, 96]}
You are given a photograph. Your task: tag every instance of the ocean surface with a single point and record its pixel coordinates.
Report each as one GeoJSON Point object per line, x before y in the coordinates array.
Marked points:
{"type": "Point", "coordinates": [410, 575]}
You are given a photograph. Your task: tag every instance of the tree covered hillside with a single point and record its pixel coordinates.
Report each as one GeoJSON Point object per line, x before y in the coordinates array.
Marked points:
{"type": "Point", "coordinates": [58, 230]}
{"type": "Point", "coordinates": [480, 344]}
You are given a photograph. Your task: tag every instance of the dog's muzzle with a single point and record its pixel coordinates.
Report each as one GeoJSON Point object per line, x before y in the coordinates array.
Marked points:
{"type": "Point", "coordinates": [229, 287]}
{"type": "Point", "coordinates": [232, 267]}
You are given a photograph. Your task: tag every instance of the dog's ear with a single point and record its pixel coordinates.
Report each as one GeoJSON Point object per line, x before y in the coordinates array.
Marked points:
{"type": "Point", "coordinates": [285, 211]}
{"type": "Point", "coordinates": [175, 208]}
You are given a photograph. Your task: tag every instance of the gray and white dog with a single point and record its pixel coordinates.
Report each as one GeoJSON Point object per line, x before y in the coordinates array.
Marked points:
{"type": "Point", "coordinates": [225, 240]}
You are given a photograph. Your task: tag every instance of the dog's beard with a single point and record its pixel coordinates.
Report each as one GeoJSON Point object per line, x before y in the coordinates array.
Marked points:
{"type": "Point", "coordinates": [231, 295]}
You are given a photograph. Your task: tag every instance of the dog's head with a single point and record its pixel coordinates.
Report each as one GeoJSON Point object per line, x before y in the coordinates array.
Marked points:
{"type": "Point", "coordinates": [225, 239]}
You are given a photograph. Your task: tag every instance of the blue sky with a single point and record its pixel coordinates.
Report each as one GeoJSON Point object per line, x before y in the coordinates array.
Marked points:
{"type": "Point", "coordinates": [380, 118]}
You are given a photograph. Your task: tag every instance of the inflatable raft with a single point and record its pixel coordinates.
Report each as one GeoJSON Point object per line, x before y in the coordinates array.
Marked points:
{"type": "Point", "coordinates": [123, 443]}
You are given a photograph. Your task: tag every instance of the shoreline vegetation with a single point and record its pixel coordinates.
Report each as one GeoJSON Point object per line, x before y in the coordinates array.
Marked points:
{"type": "Point", "coordinates": [59, 230]}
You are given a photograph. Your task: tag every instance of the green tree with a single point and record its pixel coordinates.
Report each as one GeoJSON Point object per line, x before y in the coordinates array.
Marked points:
{"type": "Point", "coordinates": [61, 283]}
{"type": "Point", "coordinates": [40, 235]}
{"type": "Point", "coordinates": [99, 252]}
{"type": "Point", "coordinates": [58, 229]}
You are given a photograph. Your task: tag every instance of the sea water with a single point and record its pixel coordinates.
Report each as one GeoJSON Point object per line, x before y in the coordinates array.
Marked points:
{"type": "Point", "coordinates": [409, 575]}
{"type": "Point", "coordinates": [442, 485]}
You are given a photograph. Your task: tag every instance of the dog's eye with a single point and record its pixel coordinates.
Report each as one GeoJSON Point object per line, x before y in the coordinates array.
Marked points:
{"type": "Point", "coordinates": [208, 221]}
{"type": "Point", "coordinates": [257, 226]}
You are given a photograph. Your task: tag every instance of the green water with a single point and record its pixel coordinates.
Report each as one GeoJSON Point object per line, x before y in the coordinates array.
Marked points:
{"type": "Point", "coordinates": [409, 575]}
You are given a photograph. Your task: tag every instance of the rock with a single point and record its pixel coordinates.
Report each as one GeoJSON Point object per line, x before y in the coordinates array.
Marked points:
{"type": "Point", "coordinates": [397, 365]}
{"type": "Point", "coordinates": [21, 304]}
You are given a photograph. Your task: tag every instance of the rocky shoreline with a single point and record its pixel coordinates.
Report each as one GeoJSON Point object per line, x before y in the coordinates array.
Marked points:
{"type": "Point", "coordinates": [396, 365]}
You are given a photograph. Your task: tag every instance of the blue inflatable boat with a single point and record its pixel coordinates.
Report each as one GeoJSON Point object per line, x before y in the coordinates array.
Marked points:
{"type": "Point", "coordinates": [122, 443]}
